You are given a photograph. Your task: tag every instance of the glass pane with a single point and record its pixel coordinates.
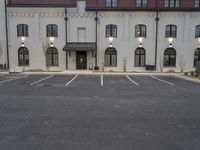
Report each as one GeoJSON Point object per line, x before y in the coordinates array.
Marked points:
{"type": "Point", "coordinates": [137, 60]}
{"type": "Point", "coordinates": [166, 3]}
{"type": "Point", "coordinates": [114, 31]}
{"type": "Point", "coordinates": [114, 60]}
{"type": "Point", "coordinates": [108, 3]}
{"type": "Point", "coordinates": [138, 3]}
{"type": "Point", "coordinates": [114, 3]}
{"type": "Point", "coordinates": [171, 3]}
{"type": "Point", "coordinates": [142, 60]}
{"type": "Point", "coordinates": [177, 3]}
{"type": "Point", "coordinates": [107, 60]}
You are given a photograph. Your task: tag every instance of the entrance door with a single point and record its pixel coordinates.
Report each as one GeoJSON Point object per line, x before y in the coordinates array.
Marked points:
{"type": "Point", "coordinates": [81, 60]}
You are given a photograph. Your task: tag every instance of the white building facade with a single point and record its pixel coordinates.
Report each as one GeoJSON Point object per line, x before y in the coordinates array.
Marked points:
{"type": "Point", "coordinates": [115, 41]}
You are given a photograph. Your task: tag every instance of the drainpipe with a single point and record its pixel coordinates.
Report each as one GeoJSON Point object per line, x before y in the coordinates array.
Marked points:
{"type": "Point", "coordinates": [96, 20]}
{"type": "Point", "coordinates": [66, 19]}
{"type": "Point", "coordinates": [156, 41]}
{"type": "Point", "coordinates": [6, 24]}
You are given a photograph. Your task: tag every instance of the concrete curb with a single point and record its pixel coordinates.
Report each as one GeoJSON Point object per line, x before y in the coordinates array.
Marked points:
{"type": "Point", "coordinates": [188, 78]}
{"type": "Point", "coordinates": [98, 73]}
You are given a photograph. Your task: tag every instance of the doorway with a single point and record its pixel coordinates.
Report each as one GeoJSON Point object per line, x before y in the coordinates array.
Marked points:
{"type": "Point", "coordinates": [81, 60]}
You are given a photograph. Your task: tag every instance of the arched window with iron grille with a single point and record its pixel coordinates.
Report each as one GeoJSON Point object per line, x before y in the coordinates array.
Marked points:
{"type": "Point", "coordinates": [23, 56]}
{"type": "Point", "coordinates": [140, 57]}
{"type": "Point", "coordinates": [110, 57]}
{"type": "Point", "coordinates": [52, 57]}
{"type": "Point", "coordinates": [170, 57]}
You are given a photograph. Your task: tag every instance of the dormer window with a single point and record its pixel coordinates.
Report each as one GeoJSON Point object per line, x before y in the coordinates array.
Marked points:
{"type": "Point", "coordinates": [111, 3]}
{"type": "Point", "coordinates": [197, 3]}
{"type": "Point", "coordinates": [141, 3]}
{"type": "Point", "coordinates": [172, 3]}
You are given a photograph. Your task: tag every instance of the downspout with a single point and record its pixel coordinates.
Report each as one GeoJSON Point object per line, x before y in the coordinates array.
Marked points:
{"type": "Point", "coordinates": [96, 28]}
{"type": "Point", "coordinates": [7, 47]}
{"type": "Point", "coordinates": [156, 41]}
{"type": "Point", "coordinates": [66, 38]}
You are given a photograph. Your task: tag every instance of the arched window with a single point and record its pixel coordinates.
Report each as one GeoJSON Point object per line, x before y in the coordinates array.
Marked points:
{"type": "Point", "coordinates": [23, 56]}
{"type": "Point", "coordinates": [196, 56]}
{"type": "Point", "coordinates": [140, 30]}
{"type": "Point", "coordinates": [22, 30]}
{"type": "Point", "coordinates": [110, 57]}
{"type": "Point", "coordinates": [170, 31]}
{"type": "Point", "coordinates": [197, 31]}
{"type": "Point", "coordinates": [111, 30]}
{"type": "Point", "coordinates": [140, 57]}
{"type": "Point", "coordinates": [52, 56]}
{"type": "Point", "coordinates": [52, 30]}
{"type": "Point", "coordinates": [170, 57]}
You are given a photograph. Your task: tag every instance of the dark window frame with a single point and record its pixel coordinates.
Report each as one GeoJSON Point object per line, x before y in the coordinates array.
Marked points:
{"type": "Point", "coordinates": [140, 52]}
{"type": "Point", "coordinates": [111, 28]}
{"type": "Point", "coordinates": [169, 5]}
{"type": "Point", "coordinates": [170, 54]}
{"type": "Point", "coordinates": [52, 30]}
{"type": "Point", "coordinates": [196, 56]}
{"type": "Point", "coordinates": [111, 3]}
{"type": "Point", "coordinates": [170, 33]}
{"type": "Point", "coordinates": [52, 57]}
{"type": "Point", "coordinates": [142, 4]}
{"type": "Point", "coordinates": [22, 30]}
{"type": "Point", "coordinates": [110, 52]}
{"type": "Point", "coordinates": [197, 31]}
{"type": "Point", "coordinates": [23, 54]}
{"type": "Point", "coordinates": [141, 33]}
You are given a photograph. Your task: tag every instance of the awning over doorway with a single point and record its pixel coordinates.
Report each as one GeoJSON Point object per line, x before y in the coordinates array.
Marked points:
{"type": "Point", "coordinates": [80, 47]}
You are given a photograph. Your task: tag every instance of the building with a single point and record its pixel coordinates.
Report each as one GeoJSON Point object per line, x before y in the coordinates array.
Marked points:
{"type": "Point", "coordinates": [112, 35]}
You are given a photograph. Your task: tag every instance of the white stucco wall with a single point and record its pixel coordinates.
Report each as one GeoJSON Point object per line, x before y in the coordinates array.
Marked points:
{"type": "Point", "coordinates": [125, 43]}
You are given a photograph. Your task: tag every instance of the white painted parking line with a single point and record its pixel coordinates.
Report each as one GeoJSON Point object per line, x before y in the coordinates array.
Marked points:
{"type": "Point", "coordinates": [162, 80]}
{"type": "Point", "coordinates": [13, 79]}
{"type": "Point", "coordinates": [101, 80]}
{"type": "Point", "coordinates": [132, 81]}
{"type": "Point", "coordinates": [71, 80]}
{"type": "Point", "coordinates": [41, 80]}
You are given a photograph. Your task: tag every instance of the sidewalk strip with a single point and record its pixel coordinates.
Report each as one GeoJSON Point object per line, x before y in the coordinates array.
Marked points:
{"type": "Point", "coordinates": [132, 80]}
{"type": "Point", "coordinates": [13, 79]}
{"type": "Point", "coordinates": [101, 80]}
{"type": "Point", "coordinates": [71, 80]}
{"type": "Point", "coordinates": [41, 80]}
{"type": "Point", "coordinates": [162, 80]}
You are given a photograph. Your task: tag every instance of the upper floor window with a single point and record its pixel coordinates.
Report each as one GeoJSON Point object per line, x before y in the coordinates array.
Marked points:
{"type": "Point", "coordinates": [22, 30]}
{"type": "Point", "coordinates": [197, 32]}
{"type": "Point", "coordinates": [141, 3]}
{"type": "Point", "coordinates": [197, 3]}
{"type": "Point", "coordinates": [140, 30]}
{"type": "Point", "coordinates": [52, 30]}
{"type": "Point", "coordinates": [172, 3]}
{"type": "Point", "coordinates": [111, 30]}
{"type": "Point", "coordinates": [111, 3]}
{"type": "Point", "coordinates": [171, 31]}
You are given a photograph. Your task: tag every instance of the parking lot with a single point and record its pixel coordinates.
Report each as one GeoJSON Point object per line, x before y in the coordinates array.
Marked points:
{"type": "Point", "coordinates": [99, 112]}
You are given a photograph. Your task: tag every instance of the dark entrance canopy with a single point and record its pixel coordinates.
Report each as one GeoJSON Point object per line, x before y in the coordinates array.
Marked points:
{"type": "Point", "coordinates": [80, 47]}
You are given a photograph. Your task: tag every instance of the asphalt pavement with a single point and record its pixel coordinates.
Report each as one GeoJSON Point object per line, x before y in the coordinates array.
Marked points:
{"type": "Point", "coordinates": [99, 112]}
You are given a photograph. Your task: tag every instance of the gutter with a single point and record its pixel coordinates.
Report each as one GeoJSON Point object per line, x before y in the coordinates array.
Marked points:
{"type": "Point", "coordinates": [7, 47]}
{"type": "Point", "coordinates": [156, 41]}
